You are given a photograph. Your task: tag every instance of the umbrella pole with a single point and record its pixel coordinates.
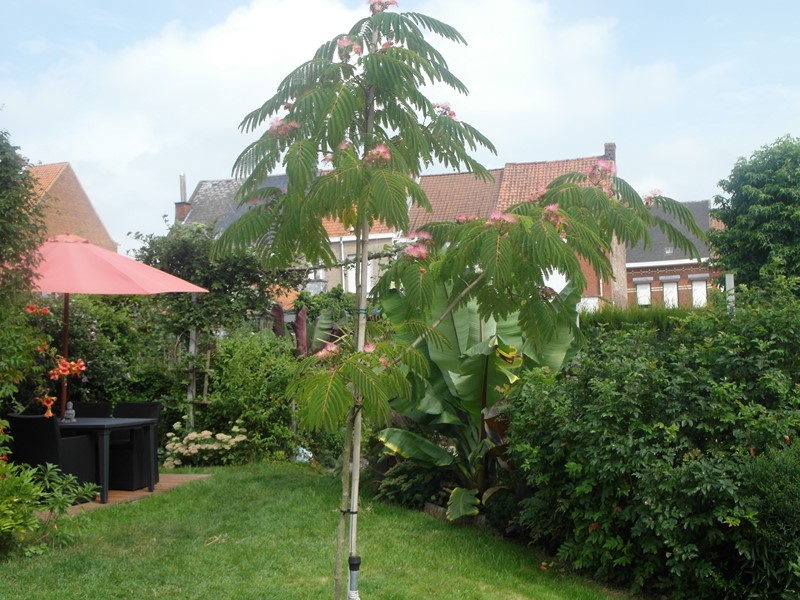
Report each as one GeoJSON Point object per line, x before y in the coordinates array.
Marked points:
{"type": "Point", "coordinates": [65, 354]}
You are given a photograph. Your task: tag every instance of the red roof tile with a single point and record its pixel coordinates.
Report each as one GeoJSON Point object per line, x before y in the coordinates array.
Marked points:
{"type": "Point", "coordinates": [454, 194]}
{"type": "Point", "coordinates": [67, 207]}
{"type": "Point", "coordinates": [457, 194]}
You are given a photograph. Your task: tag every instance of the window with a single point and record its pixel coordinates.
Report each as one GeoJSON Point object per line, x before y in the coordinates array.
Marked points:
{"type": "Point", "coordinates": [670, 294]}
{"type": "Point", "coordinates": [669, 284]}
{"type": "Point", "coordinates": [699, 289]}
{"type": "Point", "coordinates": [349, 275]}
{"type": "Point", "coordinates": [643, 294]}
{"type": "Point", "coordinates": [699, 293]}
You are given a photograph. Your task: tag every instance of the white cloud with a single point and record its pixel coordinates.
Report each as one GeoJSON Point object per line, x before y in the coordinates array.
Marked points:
{"type": "Point", "coordinates": [541, 88]}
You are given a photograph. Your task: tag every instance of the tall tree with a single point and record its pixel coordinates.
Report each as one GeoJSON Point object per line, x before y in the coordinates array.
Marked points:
{"type": "Point", "coordinates": [21, 234]}
{"type": "Point", "coordinates": [760, 214]}
{"type": "Point", "coordinates": [356, 105]}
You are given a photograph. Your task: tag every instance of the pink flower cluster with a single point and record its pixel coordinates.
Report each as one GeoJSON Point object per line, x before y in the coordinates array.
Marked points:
{"type": "Point", "coordinates": [444, 109]}
{"type": "Point", "coordinates": [378, 6]}
{"type": "Point", "coordinates": [346, 46]}
{"type": "Point", "coordinates": [378, 153]}
{"type": "Point", "coordinates": [418, 251]}
{"type": "Point", "coordinates": [461, 219]}
{"type": "Point", "coordinates": [280, 128]}
{"type": "Point", "coordinates": [498, 218]}
{"type": "Point", "coordinates": [328, 350]}
{"type": "Point", "coordinates": [649, 199]}
{"type": "Point", "coordinates": [552, 216]}
{"type": "Point", "coordinates": [606, 166]}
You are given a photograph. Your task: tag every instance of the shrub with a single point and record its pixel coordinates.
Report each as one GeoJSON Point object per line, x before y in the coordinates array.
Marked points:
{"type": "Point", "coordinates": [25, 493]}
{"type": "Point", "coordinates": [250, 373]}
{"type": "Point", "coordinates": [411, 484]}
{"type": "Point", "coordinates": [638, 453]}
{"type": "Point", "coordinates": [772, 483]}
{"type": "Point", "coordinates": [201, 448]}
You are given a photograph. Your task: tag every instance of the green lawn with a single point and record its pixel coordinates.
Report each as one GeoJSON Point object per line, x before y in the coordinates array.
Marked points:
{"type": "Point", "coordinates": [268, 531]}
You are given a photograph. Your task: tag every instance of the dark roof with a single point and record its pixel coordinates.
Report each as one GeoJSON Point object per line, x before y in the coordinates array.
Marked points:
{"type": "Point", "coordinates": [214, 202]}
{"type": "Point", "coordinates": [661, 249]}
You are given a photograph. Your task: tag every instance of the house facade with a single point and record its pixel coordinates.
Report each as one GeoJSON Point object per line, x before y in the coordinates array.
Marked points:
{"type": "Point", "coordinates": [661, 275]}
{"type": "Point", "coordinates": [67, 208]}
{"type": "Point", "coordinates": [214, 203]}
{"type": "Point", "coordinates": [455, 194]}
{"type": "Point", "coordinates": [657, 275]}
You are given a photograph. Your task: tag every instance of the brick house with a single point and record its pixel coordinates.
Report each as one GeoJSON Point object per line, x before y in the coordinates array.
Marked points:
{"type": "Point", "coordinates": [214, 203]}
{"type": "Point", "coordinates": [67, 208]}
{"type": "Point", "coordinates": [661, 275]}
{"type": "Point", "coordinates": [455, 194]}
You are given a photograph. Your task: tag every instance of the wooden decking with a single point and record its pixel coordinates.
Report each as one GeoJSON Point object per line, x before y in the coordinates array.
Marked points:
{"type": "Point", "coordinates": [167, 481]}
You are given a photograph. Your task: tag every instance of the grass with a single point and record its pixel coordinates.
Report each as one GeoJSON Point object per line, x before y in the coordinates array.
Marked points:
{"type": "Point", "coordinates": [268, 531]}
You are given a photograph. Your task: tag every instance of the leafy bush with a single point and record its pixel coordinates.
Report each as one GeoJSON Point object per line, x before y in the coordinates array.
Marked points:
{"type": "Point", "coordinates": [250, 373]}
{"type": "Point", "coordinates": [638, 453]}
{"type": "Point", "coordinates": [772, 483]}
{"type": "Point", "coordinates": [26, 493]}
{"type": "Point", "coordinates": [411, 484]}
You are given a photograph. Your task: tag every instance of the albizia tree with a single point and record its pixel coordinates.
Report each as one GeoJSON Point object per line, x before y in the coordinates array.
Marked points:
{"type": "Point", "coordinates": [357, 108]}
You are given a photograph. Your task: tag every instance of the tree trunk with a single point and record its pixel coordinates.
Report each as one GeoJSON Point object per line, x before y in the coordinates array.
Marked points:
{"type": "Point", "coordinates": [343, 507]}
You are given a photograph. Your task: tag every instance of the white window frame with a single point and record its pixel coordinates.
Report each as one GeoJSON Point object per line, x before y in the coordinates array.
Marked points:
{"type": "Point", "coordinates": [669, 287]}
{"type": "Point", "coordinates": [644, 291]}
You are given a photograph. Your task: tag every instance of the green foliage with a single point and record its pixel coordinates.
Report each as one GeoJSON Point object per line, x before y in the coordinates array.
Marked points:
{"type": "Point", "coordinates": [772, 482]}
{"type": "Point", "coordinates": [249, 377]}
{"type": "Point", "coordinates": [614, 317]}
{"type": "Point", "coordinates": [638, 453]}
{"type": "Point", "coordinates": [21, 234]}
{"type": "Point", "coordinates": [470, 364]}
{"type": "Point", "coordinates": [358, 103]}
{"type": "Point", "coordinates": [237, 285]}
{"type": "Point", "coordinates": [411, 484]}
{"type": "Point", "coordinates": [22, 225]}
{"type": "Point", "coordinates": [760, 214]}
{"type": "Point", "coordinates": [336, 302]}
{"type": "Point", "coordinates": [33, 502]}
{"type": "Point", "coordinates": [128, 351]}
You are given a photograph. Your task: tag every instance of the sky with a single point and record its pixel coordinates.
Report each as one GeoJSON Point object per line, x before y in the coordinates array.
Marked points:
{"type": "Point", "coordinates": [133, 94]}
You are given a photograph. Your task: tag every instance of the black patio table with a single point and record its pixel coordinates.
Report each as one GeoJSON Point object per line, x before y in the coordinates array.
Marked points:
{"type": "Point", "coordinates": [100, 429]}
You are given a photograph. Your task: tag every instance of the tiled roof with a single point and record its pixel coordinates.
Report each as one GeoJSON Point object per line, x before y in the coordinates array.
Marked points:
{"type": "Point", "coordinates": [67, 207]}
{"type": "Point", "coordinates": [520, 180]}
{"type": "Point", "coordinates": [463, 194]}
{"type": "Point", "coordinates": [214, 203]}
{"type": "Point", "coordinates": [45, 175]}
{"type": "Point", "coordinates": [454, 194]}
{"type": "Point", "coordinates": [450, 194]}
{"type": "Point", "coordinates": [661, 248]}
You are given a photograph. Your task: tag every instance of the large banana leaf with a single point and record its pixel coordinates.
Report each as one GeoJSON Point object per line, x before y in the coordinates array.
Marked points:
{"type": "Point", "coordinates": [412, 446]}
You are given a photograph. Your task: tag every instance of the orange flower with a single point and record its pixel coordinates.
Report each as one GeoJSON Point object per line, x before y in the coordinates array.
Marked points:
{"type": "Point", "coordinates": [46, 400]}
{"type": "Point", "coordinates": [65, 368]}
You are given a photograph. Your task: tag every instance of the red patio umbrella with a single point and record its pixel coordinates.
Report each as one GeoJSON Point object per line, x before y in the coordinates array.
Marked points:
{"type": "Point", "coordinates": [72, 265]}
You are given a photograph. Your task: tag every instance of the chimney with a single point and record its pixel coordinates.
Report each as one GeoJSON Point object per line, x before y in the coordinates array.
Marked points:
{"type": "Point", "coordinates": [610, 151]}
{"type": "Point", "coordinates": [183, 207]}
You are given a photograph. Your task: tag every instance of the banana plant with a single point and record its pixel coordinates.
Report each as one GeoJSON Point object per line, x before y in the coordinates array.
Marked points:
{"type": "Point", "coordinates": [473, 362]}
